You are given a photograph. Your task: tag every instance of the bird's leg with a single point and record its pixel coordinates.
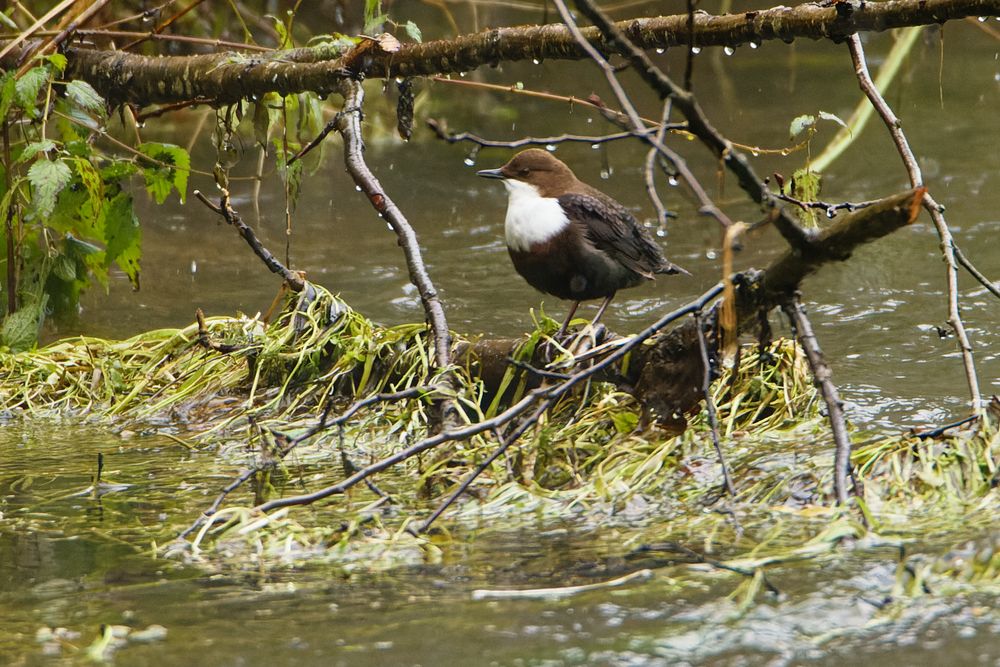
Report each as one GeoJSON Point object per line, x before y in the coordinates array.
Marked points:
{"type": "Point", "coordinates": [600, 311]}
{"type": "Point", "coordinates": [588, 337]}
{"type": "Point", "coordinates": [569, 318]}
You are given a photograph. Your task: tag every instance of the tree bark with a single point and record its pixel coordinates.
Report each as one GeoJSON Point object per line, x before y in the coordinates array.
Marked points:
{"type": "Point", "coordinates": [226, 78]}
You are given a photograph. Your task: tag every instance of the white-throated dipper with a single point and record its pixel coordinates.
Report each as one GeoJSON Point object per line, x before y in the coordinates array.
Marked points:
{"type": "Point", "coordinates": [569, 239]}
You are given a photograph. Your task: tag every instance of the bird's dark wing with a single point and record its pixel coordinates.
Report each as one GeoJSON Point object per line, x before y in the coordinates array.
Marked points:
{"type": "Point", "coordinates": [612, 229]}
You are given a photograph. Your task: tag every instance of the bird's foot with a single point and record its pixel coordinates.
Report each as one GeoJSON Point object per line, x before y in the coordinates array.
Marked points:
{"type": "Point", "coordinates": [562, 351]}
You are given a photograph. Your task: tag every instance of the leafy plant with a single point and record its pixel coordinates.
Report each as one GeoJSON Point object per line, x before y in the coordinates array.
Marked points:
{"type": "Point", "coordinates": [66, 206]}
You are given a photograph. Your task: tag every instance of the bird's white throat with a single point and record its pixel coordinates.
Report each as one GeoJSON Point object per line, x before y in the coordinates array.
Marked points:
{"type": "Point", "coordinates": [531, 218]}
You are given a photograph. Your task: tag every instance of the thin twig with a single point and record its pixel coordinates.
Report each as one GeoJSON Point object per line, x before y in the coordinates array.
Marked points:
{"type": "Point", "coordinates": [698, 125]}
{"type": "Point", "coordinates": [829, 208]}
{"type": "Point", "coordinates": [505, 444]}
{"type": "Point", "coordinates": [675, 547]}
{"type": "Point", "coordinates": [940, 430]}
{"type": "Point", "coordinates": [834, 406]}
{"type": "Point", "coordinates": [441, 130]}
{"type": "Point", "coordinates": [706, 205]}
{"type": "Point", "coordinates": [162, 26]}
{"type": "Point", "coordinates": [932, 207]}
{"type": "Point", "coordinates": [293, 279]}
{"type": "Point", "coordinates": [713, 420]}
{"type": "Point", "coordinates": [976, 273]}
{"type": "Point", "coordinates": [662, 214]}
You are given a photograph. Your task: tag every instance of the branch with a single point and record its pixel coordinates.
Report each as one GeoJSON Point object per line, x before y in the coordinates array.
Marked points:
{"type": "Point", "coordinates": [349, 125]}
{"type": "Point", "coordinates": [224, 208]}
{"type": "Point", "coordinates": [227, 78]}
{"type": "Point", "coordinates": [935, 209]}
{"type": "Point", "coordinates": [698, 123]}
{"type": "Point", "coordinates": [706, 205]}
{"type": "Point", "coordinates": [834, 406]}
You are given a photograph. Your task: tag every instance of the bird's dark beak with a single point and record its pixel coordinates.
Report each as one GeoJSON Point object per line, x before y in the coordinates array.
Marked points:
{"type": "Point", "coordinates": [490, 173]}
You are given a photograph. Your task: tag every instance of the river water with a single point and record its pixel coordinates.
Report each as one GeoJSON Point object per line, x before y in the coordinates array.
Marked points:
{"type": "Point", "coordinates": [86, 562]}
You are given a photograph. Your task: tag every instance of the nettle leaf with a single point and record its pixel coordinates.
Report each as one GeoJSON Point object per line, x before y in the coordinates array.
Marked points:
{"type": "Point", "coordinates": [88, 257]}
{"type": "Point", "coordinates": [413, 31]}
{"type": "Point", "coordinates": [34, 148]}
{"type": "Point", "coordinates": [8, 92]}
{"type": "Point", "coordinates": [20, 329]}
{"type": "Point", "coordinates": [170, 171]}
{"type": "Point", "coordinates": [94, 186]}
{"type": "Point", "coordinates": [116, 172]}
{"type": "Point", "coordinates": [64, 268]}
{"type": "Point", "coordinates": [47, 181]}
{"type": "Point", "coordinates": [83, 95]}
{"type": "Point", "coordinates": [27, 88]}
{"type": "Point", "coordinates": [124, 237]}
{"type": "Point", "coordinates": [801, 124]}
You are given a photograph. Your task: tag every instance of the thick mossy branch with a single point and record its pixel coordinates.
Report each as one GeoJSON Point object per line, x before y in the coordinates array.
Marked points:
{"type": "Point", "coordinates": [228, 78]}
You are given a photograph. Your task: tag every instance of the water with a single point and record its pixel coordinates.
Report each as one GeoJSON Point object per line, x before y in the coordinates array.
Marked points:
{"type": "Point", "coordinates": [86, 561]}
{"type": "Point", "coordinates": [875, 315]}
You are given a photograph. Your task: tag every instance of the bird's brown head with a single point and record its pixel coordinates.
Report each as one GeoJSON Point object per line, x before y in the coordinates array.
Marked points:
{"type": "Point", "coordinates": [539, 168]}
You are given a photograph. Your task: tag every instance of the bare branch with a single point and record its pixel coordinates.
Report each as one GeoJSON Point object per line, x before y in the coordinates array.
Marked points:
{"type": "Point", "coordinates": [834, 406]}
{"type": "Point", "coordinates": [293, 279]}
{"type": "Point", "coordinates": [349, 125]}
{"type": "Point", "coordinates": [713, 420]}
{"type": "Point", "coordinates": [932, 207]}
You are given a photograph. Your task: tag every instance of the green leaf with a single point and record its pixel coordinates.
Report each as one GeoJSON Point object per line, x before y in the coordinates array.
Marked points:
{"type": "Point", "coordinates": [292, 173]}
{"type": "Point", "coordinates": [34, 148]}
{"type": "Point", "coordinates": [92, 183]}
{"type": "Point", "coordinates": [47, 181]}
{"type": "Point", "coordinates": [27, 88]}
{"type": "Point", "coordinates": [64, 268]}
{"type": "Point", "coordinates": [413, 31]}
{"type": "Point", "coordinates": [171, 170]}
{"type": "Point", "coordinates": [8, 93]}
{"type": "Point", "coordinates": [20, 329]}
{"type": "Point", "coordinates": [58, 62]}
{"type": "Point", "coordinates": [124, 237]}
{"type": "Point", "coordinates": [8, 22]}
{"type": "Point", "coordinates": [284, 39]}
{"type": "Point", "coordinates": [825, 115]}
{"type": "Point", "coordinates": [800, 124]}
{"type": "Point", "coordinates": [116, 172]}
{"type": "Point", "coordinates": [373, 16]}
{"type": "Point", "coordinates": [83, 95]}
{"type": "Point", "coordinates": [625, 422]}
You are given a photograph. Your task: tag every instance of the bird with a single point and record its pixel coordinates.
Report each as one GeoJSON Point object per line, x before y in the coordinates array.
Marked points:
{"type": "Point", "coordinates": [570, 240]}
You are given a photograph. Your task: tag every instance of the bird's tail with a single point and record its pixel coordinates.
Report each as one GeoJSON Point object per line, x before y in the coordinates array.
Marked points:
{"type": "Point", "coordinates": [670, 268]}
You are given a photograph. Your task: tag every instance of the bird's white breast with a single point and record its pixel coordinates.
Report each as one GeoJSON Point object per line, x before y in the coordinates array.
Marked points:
{"type": "Point", "coordinates": [531, 218]}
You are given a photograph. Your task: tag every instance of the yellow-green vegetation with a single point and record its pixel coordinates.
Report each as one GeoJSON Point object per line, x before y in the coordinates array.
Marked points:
{"type": "Point", "coordinates": [587, 462]}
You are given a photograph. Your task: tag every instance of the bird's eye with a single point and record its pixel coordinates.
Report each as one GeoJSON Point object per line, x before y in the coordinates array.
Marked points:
{"type": "Point", "coordinates": [524, 171]}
